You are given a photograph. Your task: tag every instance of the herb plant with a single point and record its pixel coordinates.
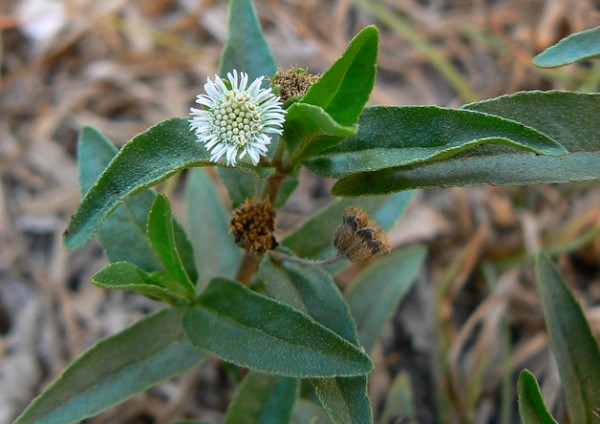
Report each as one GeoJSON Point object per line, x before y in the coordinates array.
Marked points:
{"type": "Point", "coordinates": [232, 290]}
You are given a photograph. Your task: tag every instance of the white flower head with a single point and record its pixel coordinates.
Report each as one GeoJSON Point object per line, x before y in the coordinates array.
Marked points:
{"type": "Point", "coordinates": [237, 120]}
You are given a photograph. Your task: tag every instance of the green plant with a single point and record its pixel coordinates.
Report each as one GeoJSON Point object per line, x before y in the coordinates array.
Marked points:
{"type": "Point", "coordinates": [276, 310]}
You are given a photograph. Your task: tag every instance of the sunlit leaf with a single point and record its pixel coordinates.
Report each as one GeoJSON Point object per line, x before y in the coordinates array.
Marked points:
{"type": "Point", "coordinates": [569, 118]}
{"type": "Point", "coordinates": [579, 46]}
{"type": "Point", "coordinates": [392, 136]}
{"type": "Point", "coordinates": [343, 90]}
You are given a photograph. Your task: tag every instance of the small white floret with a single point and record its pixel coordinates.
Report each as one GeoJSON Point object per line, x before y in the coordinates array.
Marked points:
{"type": "Point", "coordinates": [237, 121]}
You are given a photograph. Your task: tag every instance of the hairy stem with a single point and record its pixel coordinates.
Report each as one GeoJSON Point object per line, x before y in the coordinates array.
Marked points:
{"type": "Point", "coordinates": [247, 268]}
{"type": "Point", "coordinates": [250, 262]}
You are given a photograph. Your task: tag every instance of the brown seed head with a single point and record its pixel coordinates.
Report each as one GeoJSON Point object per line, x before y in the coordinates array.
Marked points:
{"type": "Point", "coordinates": [358, 237]}
{"type": "Point", "coordinates": [293, 82]}
{"type": "Point", "coordinates": [252, 226]}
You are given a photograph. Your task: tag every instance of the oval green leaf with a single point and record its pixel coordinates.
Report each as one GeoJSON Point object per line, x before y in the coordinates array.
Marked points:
{"type": "Point", "coordinates": [377, 291]}
{"type": "Point", "coordinates": [263, 399]}
{"type": "Point", "coordinates": [392, 136]}
{"type": "Point", "coordinates": [312, 290]}
{"type": "Point", "coordinates": [576, 349]}
{"type": "Point", "coordinates": [123, 234]}
{"type": "Point", "coordinates": [309, 130]}
{"type": "Point", "coordinates": [257, 332]}
{"type": "Point", "coordinates": [161, 232]}
{"type": "Point", "coordinates": [246, 49]}
{"type": "Point", "coordinates": [150, 157]}
{"type": "Point", "coordinates": [208, 226]}
{"type": "Point", "coordinates": [127, 276]}
{"type": "Point", "coordinates": [579, 46]}
{"type": "Point", "coordinates": [569, 118]}
{"type": "Point", "coordinates": [343, 90]}
{"type": "Point", "coordinates": [532, 408]}
{"type": "Point", "coordinates": [115, 369]}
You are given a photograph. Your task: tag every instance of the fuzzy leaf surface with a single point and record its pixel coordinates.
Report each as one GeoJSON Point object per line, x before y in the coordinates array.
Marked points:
{"type": "Point", "coordinates": [161, 232]}
{"type": "Point", "coordinates": [313, 291]}
{"type": "Point", "coordinates": [394, 136]}
{"type": "Point", "coordinates": [309, 130]}
{"type": "Point", "coordinates": [127, 276]}
{"type": "Point", "coordinates": [532, 408]}
{"type": "Point", "coordinates": [375, 293]}
{"type": "Point", "coordinates": [115, 369]}
{"type": "Point", "coordinates": [123, 234]}
{"type": "Point", "coordinates": [149, 158]}
{"type": "Point", "coordinates": [572, 341]}
{"type": "Point", "coordinates": [579, 46]}
{"type": "Point", "coordinates": [257, 332]}
{"type": "Point", "coordinates": [569, 118]}
{"type": "Point", "coordinates": [208, 226]}
{"type": "Point", "coordinates": [263, 399]}
{"type": "Point", "coordinates": [343, 90]}
{"type": "Point", "coordinates": [246, 48]}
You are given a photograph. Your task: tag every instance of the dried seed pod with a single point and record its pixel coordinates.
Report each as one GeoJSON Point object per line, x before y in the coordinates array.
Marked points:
{"type": "Point", "coordinates": [293, 82]}
{"type": "Point", "coordinates": [252, 226]}
{"type": "Point", "coordinates": [358, 237]}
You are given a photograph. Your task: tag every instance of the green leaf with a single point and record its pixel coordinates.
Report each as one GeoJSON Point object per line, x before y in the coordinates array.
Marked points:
{"type": "Point", "coordinates": [377, 291]}
{"type": "Point", "coordinates": [276, 338]}
{"type": "Point", "coordinates": [123, 234]}
{"type": "Point", "coordinates": [149, 158]}
{"type": "Point", "coordinates": [115, 369]}
{"type": "Point", "coordinates": [345, 399]}
{"type": "Point", "coordinates": [263, 399]}
{"type": "Point", "coordinates": [287, 187]}
{"type": "Point", "coordinates": [569, 118]}
{"type": "Point", "coordinates": [161, 232]}
{"type": "Point", "coordinates": [532, 408]}
{"type": "Point", "coordinates": [579, 46]}
{"type": "Point", "coordinates": [399, 405]}
{"type": "Point", "coordinates": [127, 276]}
{"type": "Point", "coordinates": [392, 136]}
{"type": "Point", "coordinates": [572, 341]}
{"type": "Point", "coordinates": [208, 223]}
{"type": "Point", "coordinates": [307, 412]}
{"type": "Point", "coordinates": [246, 49]}
{"type": "Point", "coordinates": [241, 185]}
{"type": "Point", "coordinates": [309, 130]}
{"type": "Point", "coordinates": [313, 291]}
{"type": "Point", "coordinates": [343, 90]}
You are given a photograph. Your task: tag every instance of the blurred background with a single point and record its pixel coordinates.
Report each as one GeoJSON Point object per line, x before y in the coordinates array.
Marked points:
{"type": "Point", "coordinates": [471, 322]}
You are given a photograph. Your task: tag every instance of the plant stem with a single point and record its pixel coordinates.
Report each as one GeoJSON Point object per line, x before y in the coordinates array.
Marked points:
{"type": "Point", "coordinates": [247, 268]}
{"type": "Point", "coordinates": [250, 262]}
{"type": "Point", "coordinates": [312, 262]}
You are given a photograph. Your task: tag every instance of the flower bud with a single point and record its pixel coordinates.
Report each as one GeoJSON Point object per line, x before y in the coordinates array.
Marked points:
{"type": "Point", "coordinates": [358, 238]}
{"type": "Point", "coordinates": [252, 226]}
